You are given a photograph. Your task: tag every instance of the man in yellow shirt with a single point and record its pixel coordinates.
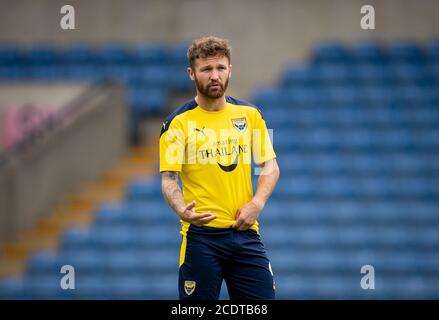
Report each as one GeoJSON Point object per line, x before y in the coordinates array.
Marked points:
{"type": "Point", "coordinates": [210, 143]}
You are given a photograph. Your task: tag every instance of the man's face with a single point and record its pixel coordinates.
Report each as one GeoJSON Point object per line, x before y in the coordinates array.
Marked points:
{"type": "Point", "coordinates": [211, 75]}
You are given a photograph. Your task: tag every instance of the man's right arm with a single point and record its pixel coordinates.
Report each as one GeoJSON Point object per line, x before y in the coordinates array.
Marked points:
{"type": "Point", "coordinates": [174, 196]}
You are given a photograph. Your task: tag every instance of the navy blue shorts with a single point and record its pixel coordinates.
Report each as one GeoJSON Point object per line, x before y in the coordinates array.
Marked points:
{"type": "Point", "coordinates": [212, 255]}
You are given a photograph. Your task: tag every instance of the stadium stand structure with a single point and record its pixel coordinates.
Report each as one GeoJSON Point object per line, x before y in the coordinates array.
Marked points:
{"type": "Point", "coordinates": [356, 131]}
{"type": "Point", "coordinates": [143, 69]}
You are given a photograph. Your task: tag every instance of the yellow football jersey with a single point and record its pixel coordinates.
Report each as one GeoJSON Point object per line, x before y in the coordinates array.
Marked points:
{"type": "Point", "coordinates": [213, 151]}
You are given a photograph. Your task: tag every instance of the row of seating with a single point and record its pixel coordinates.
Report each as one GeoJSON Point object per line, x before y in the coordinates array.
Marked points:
{"type": "Point", "coordinates": [374, 52]}
{"type": "Point", "coordinates": [364, 117]}
{"type": "Point", "coordinates": [323, 286]}
{"type": "Point", "coordinates": [360, 74]}
{"type": "Point", "coordinates": [93, 287]}
{"type": "Point", "coordinates": [116, 53]}
{"type": "Point", "coordinates": [316, 261]}
{"type": "Point", "coordinates": [330, 97]}
{"type": "Point", "coordinates": [152, 73]}
{"type": "Point", "coordinates": [328, 51]}
{"type": "Point", "coordinates": [155, 213]}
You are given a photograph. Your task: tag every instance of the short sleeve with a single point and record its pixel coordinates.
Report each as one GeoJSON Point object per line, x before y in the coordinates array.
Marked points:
{"type": "Point", "coordinates": [262, 146]}
{"type": "Point", "coordinates": [172, 146]}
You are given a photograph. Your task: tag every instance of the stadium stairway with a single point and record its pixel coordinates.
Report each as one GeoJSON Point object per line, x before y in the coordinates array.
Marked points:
{"type": "Point", "coordinates": [77, 210]}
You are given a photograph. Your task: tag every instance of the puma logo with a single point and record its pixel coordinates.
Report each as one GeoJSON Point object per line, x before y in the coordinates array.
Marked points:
{"type": "Point", "coordinates": [200, 130]}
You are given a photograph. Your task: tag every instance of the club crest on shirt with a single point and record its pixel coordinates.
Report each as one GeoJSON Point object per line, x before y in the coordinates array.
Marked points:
{"type": "Point", "coordinates": [189, 287]}
{"type": "Point", "coordinates": [240, 124]}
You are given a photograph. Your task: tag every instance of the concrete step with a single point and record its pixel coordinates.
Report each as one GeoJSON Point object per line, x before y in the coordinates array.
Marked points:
{"type": "Point", "coordinates": [77, 209]}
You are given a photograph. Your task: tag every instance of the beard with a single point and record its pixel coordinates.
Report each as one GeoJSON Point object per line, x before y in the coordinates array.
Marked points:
{"type": "Point", "coordinates": [210, 91]}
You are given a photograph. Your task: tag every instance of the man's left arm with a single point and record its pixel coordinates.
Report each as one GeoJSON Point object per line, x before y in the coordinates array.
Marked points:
{"type": "Point", "coordinates": [246, 215]}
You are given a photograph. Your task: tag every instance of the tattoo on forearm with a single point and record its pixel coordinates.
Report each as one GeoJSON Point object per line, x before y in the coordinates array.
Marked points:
{"type": "Point", "coordinates": [172, 175]}
{"type": "Point", "coordinates": [171, 190]}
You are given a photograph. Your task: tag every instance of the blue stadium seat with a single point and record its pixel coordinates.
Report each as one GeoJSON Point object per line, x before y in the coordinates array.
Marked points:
{"type": "Point", "coordinates": [143, 189]}
{"type": "Point", "coordinates": [434, 70]}
{"type": "Point", "coordinates": [293, 76]}
{"type": "Point", "coordinates": [433, 51]}
{"type": "Point", "coordinates": [268, 98]}
{"type": "Point", "coordinates": [114, 53]}
{"type": "Point", "coordinates": [421, 116]}
{"type": "Point", "coordinates": [371, 74]}
{"type": "Point", "coordinates": [426, 138]}
{"type": "Point", "coordinates": [178, 54]}
{"type": "Point", "coordinates": [13, 72]}
{"type": "Point", "coordinates": [84, 72]}
{"type": "Point", "coordinates": [308, 116]}
{"type": "Point", "coordinates": [412, 74]}
{"type": "Point", "coordinates": [129, 287]}
{"type": "Point", "coordinates": [122, 262]}
{"type": "Point", "coordinates": [86, 261]}
{"type": "Point", "coordinates": [329, 52]}
{"type": "Point", "coordinates": [367, 52]}
{"type": "Point", "coordinates": [372, 187]}
{"type": "Point", "coordinates": [277, 118]}
{"type": "Point", "coordinates": [149, 213]}
{"type": "Point", "coordinates": [44, 263]}
{"type": "Point", "coordinates": [380, 96]}
{"type": "Point", "coordinates": [150, 54]}
{"type": "Point", "coordinates": [110, 237]}
{"type": "Point", "coordinates": [145, 101]}
{"type": "Point", "coordinates": [160, 237]}
{"type": "Point", "coordinates": [334, 187]}
{"type": "Point", "coordinates": [382, 117]}
{"type": "Point", "coordinates": [42, 55]}
{"type": "Point", "coordinates": [331, 74]}
{"type": "Point", "coordinates": [410, 95]}
{"type": "Point", "coordinates": [180, 81]}
{"type": "Point", "coordinates": [47, 287]}
{"type": "Point", "coordinates": [142, 261]}
{"type": "Point", "coordinates": [13, 289]}
{"type": "Point", "coordinates": [343, 95]}
{"type": "Point", "coordinates": [296, 187]}
{"type": "Point", "coordinates": [10, 55]}
{"type": "Point", "coordinates": [405, 51]}
{"type": "Point", "coordinates": [306, 97]}
{"type": "Point", "coordinates": [115, 72]}
{"type": "Point", "coordinates": [165, 287]}
{"type": "Point", "coordinates": [76, 239]}
{"type": "Point", "coordinates": [347, 116]}
{"type": "Point", "coordinates": [157, 76]}
{"type": "Point", "coordinates": [96, 287]}
{"type": "Point", "coordinates": [110, 214]}
{"type": "Point", "coordinates": [79, 54]}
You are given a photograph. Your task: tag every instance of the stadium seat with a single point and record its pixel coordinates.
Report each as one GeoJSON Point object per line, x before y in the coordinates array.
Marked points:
{"type": "Point", "coordinates": [367, 52]}
{"type": "Point", "coordinates": [405, 51]}
{"type": "Point", "coordinates": [115, 53]}
{"type": "Point", "coordinates": [86, 261]}
{"type": "Point", "coordinates": [9, 54]}
{"type": "Point", "coordinates": [13, 289]}
{"type": "Point", "coordinates": [329, 52]}
{"type": "Point", "coordinates": [150, 54]}
{"type": "Point", "coordinates": [96, 287]}
{"type": "Point", "coordinates": [76, 239]}
{"type": "Point", "coordinates": [141, 190]}
{"type": "Point", "coordinates": [44, 263]}
{"type": "Point", "coordinates": [301, 76]}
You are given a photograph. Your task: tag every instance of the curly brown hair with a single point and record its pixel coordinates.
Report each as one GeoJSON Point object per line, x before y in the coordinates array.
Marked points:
{"type": "Point", "coordinates": [208, 47]}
